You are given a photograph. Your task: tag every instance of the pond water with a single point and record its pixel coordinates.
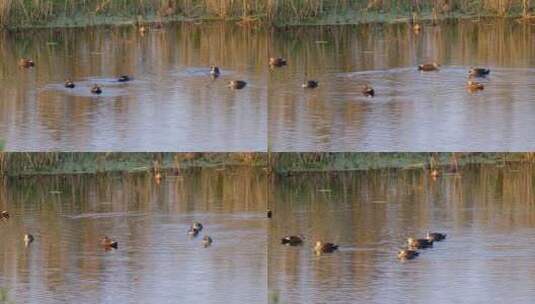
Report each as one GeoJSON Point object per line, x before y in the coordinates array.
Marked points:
{"type": "Point", "coordinates": [156, 261]}
{"type": "Point", "coordinates": [488, 213]}
{"type": "Point", "coordinates": [412, 111]}
{"type": "Point", "coordinates": [171, 105]}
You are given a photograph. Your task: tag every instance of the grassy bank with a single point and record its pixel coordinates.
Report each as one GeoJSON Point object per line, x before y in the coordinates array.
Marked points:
{"type": "Point", "coordinates": [27, 164]}
{"type": "Point", "coordinates": [22, 13]}
{"type": "Point", "coordinates": [291, 163]}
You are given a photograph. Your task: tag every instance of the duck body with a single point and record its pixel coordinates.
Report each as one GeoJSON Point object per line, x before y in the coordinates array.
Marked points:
{"type": "Point", "coordinates": [436, 236]}
{"type": "Point", "coordinates": [292, 240]}
{"type": "Point", "coordinates": [419, 243]}
{"type": "Point", "coordinates": [407, 254]}
{"type": "Point", "coordinates": [368, 91]}
{"type": "Point", "coordinates": [207, 241]}
{"type": "Point", "coordinates": [28, 238]}
{"type": "Point", "coordinates": [197, 226]}
{"type": "Point", "coordinates": [124, 78]}
{"type": "Point", "coordinates": [237, 84]}
{"type": "Point", "coordinates": [474, 86]}
{"type": "Point", "coordinates": [96, 89]}
{"type": "Point", "coordinates": [192, 232]}
{"type": "Point", "coordinates": [26, 63]}
{"type": "Point", "coordinates": [428, 67]}
{"type": "Point", "coordinates": [325, 247]}
{"type": "Point", "coordinates": [478, 72]}
{"type": "Point", "coordinates": [311, 84]}
{"type": "Point", "coordinates": [277, 62]}
{"type": "Point", "coordinates": [214, 71]}
{"type": "Point", "coordinates": [69, 84]}
{"type": "Point", "coordinates": [108, 243]}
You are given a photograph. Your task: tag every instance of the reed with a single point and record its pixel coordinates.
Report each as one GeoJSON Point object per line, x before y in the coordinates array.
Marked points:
{"type": "Point", "coordinates": [19, 13]}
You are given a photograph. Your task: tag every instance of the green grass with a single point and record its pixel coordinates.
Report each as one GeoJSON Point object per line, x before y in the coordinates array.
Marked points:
{"type": "Point", "coordinates": [24, 13]}
{"type": "Point", "coordinates": [29, 164]}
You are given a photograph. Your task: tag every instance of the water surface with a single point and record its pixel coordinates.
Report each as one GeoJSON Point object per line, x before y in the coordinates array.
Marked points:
{"type": "Point", "coordinates": [171, 105]}
{"type": "Point", "coordinates": [156, 261]}
{"type": "Point", "coordinates": [488, 257]}
{"type": "Point", "coordinates": [412, 111]}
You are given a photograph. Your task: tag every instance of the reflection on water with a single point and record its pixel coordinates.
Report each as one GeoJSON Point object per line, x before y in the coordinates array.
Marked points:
{"type": "Point", "coordinates": [412, 111]}
{"type": "Point", "coordinates": [488, 213]}
{"type": "Point", "coordinates": [156, 261]}
{"type": "Point", "coordinates": [172, 104]}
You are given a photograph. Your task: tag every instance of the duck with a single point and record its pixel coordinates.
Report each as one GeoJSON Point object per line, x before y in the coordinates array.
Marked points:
{"type": "Point", "coordinates": [26, 63]}
{"type": "Point", "coordinates": [196, 226]}
{"type": "Point", "coordinates": [108, 243]}
{"type": "Point", "coordinates": [269, 213]}
{"type": "Point", "coordinates": [325, 247]}
{"type": "Point", "coordinates": [292, 240]}
{"type": "Point", "coordinates": [427, 67]}
{"type": "Point", "coordinates": [277, 62]}
{"type": "Point", "coordinates": [474, 86]}
{"type": "Point", "coordinates": [237, 84]}
{"type": "Point", "coordinates": [436, 236]}
{"type": "Point", "coordinates": [419, 243]}
{"type": "Point", "coordinates": [28, 238]}
{"type": "Point", "coordinates": [96, 89]}
{"type": "Point", "coordinates": [4, 215]}
{"type": "Point", "coordinates": [368, 91]}
{"type": "Point", "coordinates": [311, 84]}
{"type": "Point", "coordinates": [69, 84]}
{"type": "Point", "coordinates": [207, 241]}
{"type": "Point", "coordinates": [214, 71]}
{"type": "Point", "coordinates": [124, 78]}
{"type": "Point", "coordinates": [478, 72]}
{"type": "Point", "coordinates": [407, 254]}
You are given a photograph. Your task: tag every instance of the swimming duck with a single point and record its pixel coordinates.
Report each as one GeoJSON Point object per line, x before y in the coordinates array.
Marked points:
{"type": "Point", "coordinates": [69, 84]}
{"type": "Point", "coordinates": [207, 241]}
{"type": "Point", "coordinates": [214, 71]}
{"type": "Point", "coordinates": [4, 215]}
{"type": "Point", "coordinates": [269, 213]}
{"type": "Point", "coordinates": [407, 254]}
{"type": "Point", "coordinates": [292, 240]}
{"type": "Point", "coordinates": [96, 89]}
{"type": "Point", "coordinates": [124, 78]}
{"type": "Point", "coordinates": [277, 62]}
{"type": "Point", "coordinates": [192, 232]}
{"type": "Point", "coordinates": [26, 63]}
{"type": "Point", "coordinates": [436, 236]}
{"type": "Point", "coordinates": [311, 84]}
{"type": "Point", "coordinates": [196, 226]}
{"type": "Point", "coordinates": [419, 243]}
{"type": "Point", "coordinates": [474, 86]}
{"type": "Point", "coordinates": [325, 247]}
{"type": "Point", "coordinates": [368, 91]}
{"type": "Point", "coordinates": [427, 67]}
{"type": "Point", "coordinates": [237, 84]}
{"type": "Point", "coordinates": [28, 238]}
{"type": "Point", "coordinates": [108, 243]}
{"type": "Point", "coordinates": [478, 72]}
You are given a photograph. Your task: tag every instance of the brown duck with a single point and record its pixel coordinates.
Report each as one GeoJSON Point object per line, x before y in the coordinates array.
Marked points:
{"type": "Point", "coordinates": [26, 63]}
{"type": "Point", "coordinates": [419, 243]}
{"type": "Point", "coordinates": [428, 67]}
{"type": "Point", "coordinates": [108, 243]}
{"type": "Point", "coordinates": [407, 254]}
{"type": "Point", "coordinates": [292, 240]}
{"type": "Point", "coordinates": [436, 236]}
{"type": "Point", "coordinates": [325, 247]}
{"type": "Point", "coordinates": [277, 62]}
{"type": "Point", "coordinates": [4, 215]}
{"type": "Point", "coordinates": [368, 91]}
{"type": "Point", "coordinates": [237, 84]}
{"type": "Point", "coordinates": [474, 86]}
